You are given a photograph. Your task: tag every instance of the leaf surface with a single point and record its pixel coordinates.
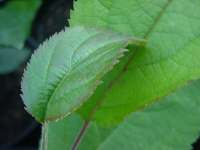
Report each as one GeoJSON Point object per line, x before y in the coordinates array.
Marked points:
{"type": "Point", "coordinates": [11, 58]}
{"type": "Point", "coordinates": [168, 61]}
{"type": "Point", "coordinates": [171, 124]}
{"type": "Point", "coordinates": [16, 19]}
{"type": "Point", "coordinates": [66, 69]}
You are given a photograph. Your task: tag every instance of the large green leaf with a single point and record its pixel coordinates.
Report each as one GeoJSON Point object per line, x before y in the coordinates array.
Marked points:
{"type": "Point", "coordinates": [171, 124]}
{"type": "Point", "coordinates": [11, 58]}
{"type": "Point", "coordinates": [66, 69]}
{"type": "Point", "coordinates": [169, 60]}
{"type": "Point", "coordinates": [16, 19]}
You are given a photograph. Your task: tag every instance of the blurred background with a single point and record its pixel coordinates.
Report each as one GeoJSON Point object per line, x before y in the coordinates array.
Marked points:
{"type": "Point", "coordinates": [24, 24]}
{"type": "Point", "coordinates": [28, 26]}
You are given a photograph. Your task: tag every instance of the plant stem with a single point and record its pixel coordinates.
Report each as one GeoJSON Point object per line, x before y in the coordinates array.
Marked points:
{"type": "Point", "coordinates": [80, 135]}
{"type": "Point", "coordinates": [44, 142]}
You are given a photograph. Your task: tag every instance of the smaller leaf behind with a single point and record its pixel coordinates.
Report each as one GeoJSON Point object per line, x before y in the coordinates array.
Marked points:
{"type": "Point", "coordinates": [66, 69]}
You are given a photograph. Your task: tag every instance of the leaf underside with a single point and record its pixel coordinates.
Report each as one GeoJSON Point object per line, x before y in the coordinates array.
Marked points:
{"type": "Point", "coordinates": [168, 61]}
{"type": "Point", "coordinates": [171, 124]}
{"type": "Point", "coordinates": [66, 69]}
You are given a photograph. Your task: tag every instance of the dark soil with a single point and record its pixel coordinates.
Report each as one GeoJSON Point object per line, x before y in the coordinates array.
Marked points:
{"type": "Point", "coordinates": [18, 130]}
{"type": "Point", "coordinates": [13, 118]}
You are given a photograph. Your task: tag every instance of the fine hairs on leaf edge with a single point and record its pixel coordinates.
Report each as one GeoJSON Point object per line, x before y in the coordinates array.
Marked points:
{"type": "Point", "coordinates": [35, 53]}
{"type": "Point", "coordinates": [116, 60]}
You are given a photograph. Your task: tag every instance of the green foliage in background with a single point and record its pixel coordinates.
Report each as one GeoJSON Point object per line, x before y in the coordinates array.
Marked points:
{"type": "Point", "coordinates": [11, 58]}
{"type": "Point", "coordinates": [16, 19]}
{"type": "Point", "coordinates": [15, 24]}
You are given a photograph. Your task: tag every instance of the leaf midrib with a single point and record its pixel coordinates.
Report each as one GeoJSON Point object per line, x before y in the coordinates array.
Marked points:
{"type": "Point", "coordinates": [98, 104]}
{"type": "Point", "coordinates": [145, 36]}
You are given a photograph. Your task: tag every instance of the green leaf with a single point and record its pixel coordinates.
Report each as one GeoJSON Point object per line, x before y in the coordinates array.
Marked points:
{"type": "Point", "coordinates": [168, 61]}
{"type": "Point", "coordinates": [171, 124]}
{"type": "Point", "coordinates": [62, 133]}
{"type": "Point", "coordinates": [15, 23]}
{"type": "Point", "coordinates": [66, 69]}
{"type": "Point", "coordinates": [11, 58]}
